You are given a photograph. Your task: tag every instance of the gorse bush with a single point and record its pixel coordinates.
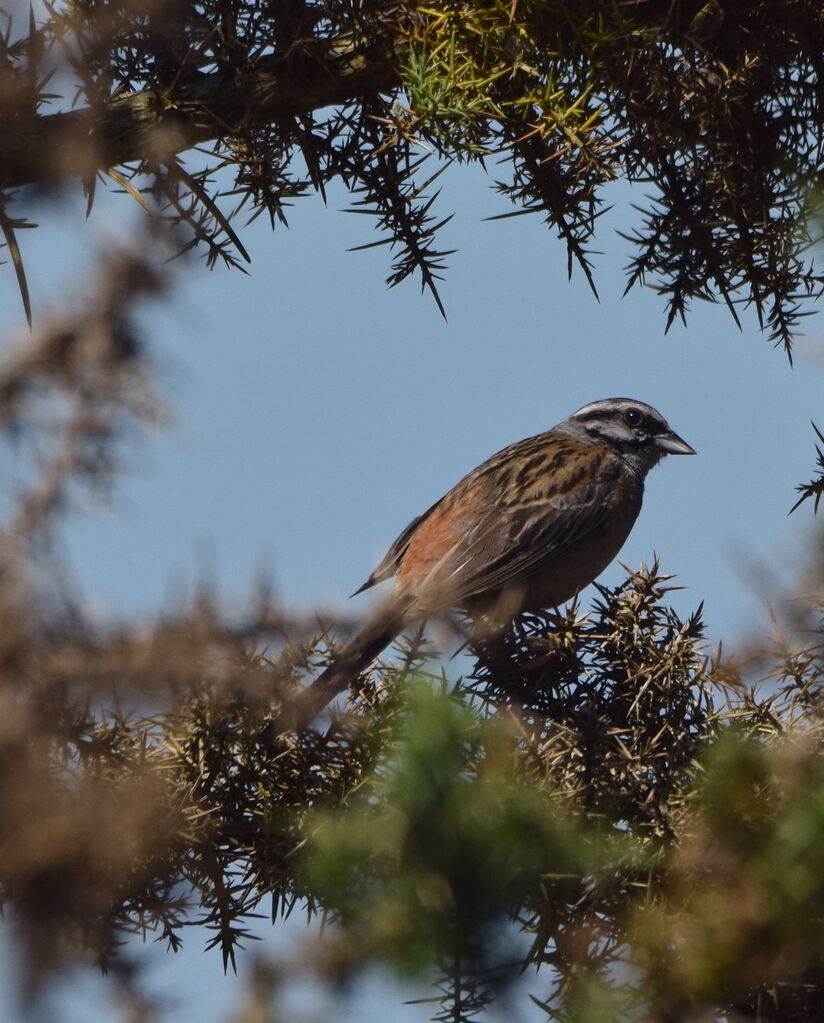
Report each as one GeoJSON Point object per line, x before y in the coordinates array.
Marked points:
{"type": "Point", "coordinates": [713, 108]}
{"type": "Point", "coordinates": [594, 805]}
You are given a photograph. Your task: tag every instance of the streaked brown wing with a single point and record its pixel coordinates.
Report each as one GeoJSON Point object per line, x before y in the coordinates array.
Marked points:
{"type": "Point", "coordinates": [510, 518]}
{"type": "Point", "coordinates": [499, 553]}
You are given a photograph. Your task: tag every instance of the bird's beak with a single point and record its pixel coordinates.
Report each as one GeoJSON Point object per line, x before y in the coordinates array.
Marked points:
{"type": "Point", "coordinates": [672, 444]}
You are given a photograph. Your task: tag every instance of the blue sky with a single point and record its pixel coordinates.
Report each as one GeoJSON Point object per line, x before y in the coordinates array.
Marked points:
{"type": "Point", "coordinates": [316, 413]}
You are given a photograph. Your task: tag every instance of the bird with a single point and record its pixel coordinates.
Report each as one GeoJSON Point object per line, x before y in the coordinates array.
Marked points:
{"type": "Point", "coordinates": [526, 530]}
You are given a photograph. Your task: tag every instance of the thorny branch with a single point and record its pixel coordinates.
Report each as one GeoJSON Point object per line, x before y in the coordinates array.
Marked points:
{"type": "Point", "coordinates": [714, 108]}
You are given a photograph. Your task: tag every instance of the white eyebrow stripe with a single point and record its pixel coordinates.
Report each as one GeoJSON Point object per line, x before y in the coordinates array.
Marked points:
{"type": "Point", "coordinates": [586, 408]}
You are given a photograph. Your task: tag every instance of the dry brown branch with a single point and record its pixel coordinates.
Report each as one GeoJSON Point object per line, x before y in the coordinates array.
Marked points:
{"type": "Point", "coordinates": [146, 126]}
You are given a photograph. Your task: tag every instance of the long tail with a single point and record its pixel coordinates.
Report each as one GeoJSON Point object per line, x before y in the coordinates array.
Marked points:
{"type": "Point", "coordinates": [356, 656]}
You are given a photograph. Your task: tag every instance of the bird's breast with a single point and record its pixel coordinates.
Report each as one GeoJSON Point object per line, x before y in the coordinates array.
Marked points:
{"type": "Point", "coordinates": [585, 559]}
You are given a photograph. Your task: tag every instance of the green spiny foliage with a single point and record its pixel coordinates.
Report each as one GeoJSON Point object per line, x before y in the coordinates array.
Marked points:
{"type": "Point", "coordinates": [712, 109]}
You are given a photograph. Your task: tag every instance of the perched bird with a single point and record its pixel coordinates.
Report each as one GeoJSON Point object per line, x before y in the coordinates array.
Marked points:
{"type": "Point", "coordinates": [528, 529]}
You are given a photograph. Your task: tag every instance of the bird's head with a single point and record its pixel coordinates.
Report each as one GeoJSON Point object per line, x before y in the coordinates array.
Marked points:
{"type": "Point", "coordinates": [634, 430]}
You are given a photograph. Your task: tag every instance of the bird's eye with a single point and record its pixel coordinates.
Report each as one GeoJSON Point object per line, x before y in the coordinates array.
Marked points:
{"type": "Point", "coordinates": [632, 417]}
